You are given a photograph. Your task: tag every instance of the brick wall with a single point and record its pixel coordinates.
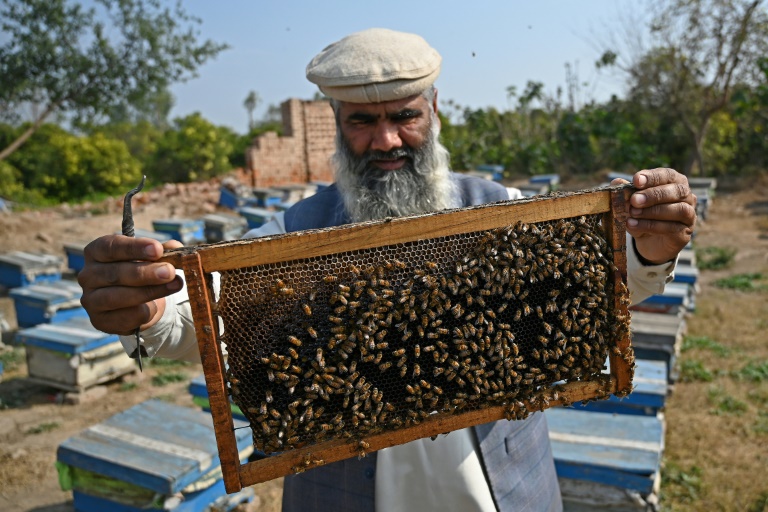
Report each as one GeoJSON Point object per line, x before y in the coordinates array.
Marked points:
{"type": "Point", "coordinates": [302, 154]}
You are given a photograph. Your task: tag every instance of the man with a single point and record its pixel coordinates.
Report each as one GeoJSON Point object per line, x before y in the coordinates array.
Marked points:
{"type": "Point", "coordinates": [389, 163]}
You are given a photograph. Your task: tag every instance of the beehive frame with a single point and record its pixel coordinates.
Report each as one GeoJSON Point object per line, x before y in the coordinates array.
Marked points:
{"type": "Point", "coordinates": [198, 263]}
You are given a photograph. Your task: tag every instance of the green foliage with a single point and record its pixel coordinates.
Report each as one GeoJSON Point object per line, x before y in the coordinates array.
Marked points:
{"type": "Point", "coordinates": [705, 343]}
{"type": "Point", "coordinates": [725, 405]}
{"type": "Point", "coordinates": [683, 484]}
{"type": "Point", "coordinates": [194, 149]}
{"type": "Point", "coordinates": [89, 61]}
{"type": "Point", "coordinates": [127, 386]}
{"type": "Point", "coordinates": [761, 427]}
{"type": "Point", "coordinates": [694, 371]}
{"type": "Point", "coordinates": [743, 282]}
{"type": "Point", "coordinates": [63, 167]}
{"type": "Point", "coordinates": [12, 357]}
{"type": "Point", "coordinates": [163, 378]}
{"type": "Point", "coordinates": [754, 371]}
{"type": "Point", "coordinates": [162, 362]}
{"type": "Point", "coordinates": [43, 428]}
{"type": "Point", "coordinates": [714, 258]}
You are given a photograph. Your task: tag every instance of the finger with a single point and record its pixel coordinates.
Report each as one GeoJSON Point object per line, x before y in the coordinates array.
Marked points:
{"type": "Point", "coordinates": [172, 244]}
{"type": "Point", "coordinates": [645, 227]}
{"type": "Point", "coordinates": [101, 301]}
{"type": "Point", "coordinates": [125, 273]}
{"type": "Point", "coordinates": [649, 178]}
{"type": "Point", "coordinates": [663, 194]}
{"type": "Point", "coordinates": [673, 212]}
{"type": "Point", "coordinates": [125, 321]}
{"type": "Point", "coordinates": [618, 181]}
{"type": "Point", "coordinates": [122, 248]}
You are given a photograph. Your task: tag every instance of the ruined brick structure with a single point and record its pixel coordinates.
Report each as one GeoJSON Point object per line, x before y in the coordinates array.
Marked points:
{"type": "Point", "coordinates": [302, 154]}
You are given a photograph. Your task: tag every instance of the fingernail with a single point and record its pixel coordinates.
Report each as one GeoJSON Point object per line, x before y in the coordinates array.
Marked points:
{"type": "Point", "coordinates": [151, 251]}
{"type": "Point", "coordinates": [632, 222]}
{"type": "Point", "coordinates": [174, 285]}
{"type": "Point", "coordinates": [635, 211]}
{"type": "Point", "coordinates": [640, 198]}
{"type": "Point", "coordinates": [163, 272]}
{"type": "Point", "coordinates": [641, 180]}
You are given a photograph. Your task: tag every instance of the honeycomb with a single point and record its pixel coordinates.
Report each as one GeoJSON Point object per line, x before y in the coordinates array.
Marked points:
{"type": "Point", "coordinates": [360, 342]}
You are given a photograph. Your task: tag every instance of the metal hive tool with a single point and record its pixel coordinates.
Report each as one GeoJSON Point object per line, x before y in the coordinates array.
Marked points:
{"type": "Point", "coordinates": [352, 339]}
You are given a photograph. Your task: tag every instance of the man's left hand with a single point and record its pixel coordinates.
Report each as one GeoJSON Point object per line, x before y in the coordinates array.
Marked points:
{"type": "Point", "coordinates": [662, 214]}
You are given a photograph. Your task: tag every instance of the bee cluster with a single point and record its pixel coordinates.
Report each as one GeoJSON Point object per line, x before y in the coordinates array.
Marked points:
{"type": "Point", "coordinates": [379, 339]}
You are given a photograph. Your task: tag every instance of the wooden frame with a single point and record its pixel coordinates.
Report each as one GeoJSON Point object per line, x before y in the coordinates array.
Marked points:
{"type": "Point", "coordinates": [198, 263]}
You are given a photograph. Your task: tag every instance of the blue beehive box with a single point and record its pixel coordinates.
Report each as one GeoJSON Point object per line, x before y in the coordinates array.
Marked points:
{"type": "Point", "coordinates": [686, 274]}
{"type": "Point", "coordinates": [73, 355]}
{"type": "Point", "coordinates": [649, 392]}
{"type": "Point", "coordinates": [607, 460]}
{"type": "Point", "coordinates": [256, 217]}
{"type": "Point", "coordinates": [550, 180]}
{"type": "Point", "coordinates": [219, 227]}
{"type": "Point", "coordinates": [155, 456]}
{"type": "Point", "coordinates": [658, 337]}
{"type": "Point", "coordinates": [266, 197]}
{"type": "Point", "coordinates": [676, 300]}
{"type": "Point", "coordinates": [496, 172]}
{"type": "Point", "coordinates": [47, 302]}
{"type": "Point", "coordinates": [20, 268]}
{"type": "Point", "coordinates": [186, 231]}
{"type": "Point", "coordinates": [200, 397]}
{"type": "Point", "coordinates": [75, 255]}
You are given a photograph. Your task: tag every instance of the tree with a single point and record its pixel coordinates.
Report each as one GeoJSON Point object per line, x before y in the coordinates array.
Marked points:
{"type": "Point", "coordinates": [194, 149]}
{"type": "Point", "coordinates": [704, 48]}
{"type": "Point", "coordinates": [251, 102]}
{"type": "Point", "coordinates": [62, 57]}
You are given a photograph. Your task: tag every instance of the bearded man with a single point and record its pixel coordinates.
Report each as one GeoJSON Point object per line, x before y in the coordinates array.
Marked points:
{"type": "Point", "coordinates": [389, 162]}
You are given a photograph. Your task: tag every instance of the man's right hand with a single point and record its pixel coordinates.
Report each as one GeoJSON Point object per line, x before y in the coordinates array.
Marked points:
{"type": "Point", "coordinates": [122, 287]}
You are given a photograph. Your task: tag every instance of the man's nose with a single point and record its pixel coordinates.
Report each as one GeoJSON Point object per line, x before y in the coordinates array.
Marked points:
{"type": "Point", "coordinates": [386, 137]}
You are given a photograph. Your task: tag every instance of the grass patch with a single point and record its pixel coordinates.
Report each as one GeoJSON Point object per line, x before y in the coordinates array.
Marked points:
{"type": "Point", "coordinates": [694, 371]}
{"type": "Point", "coordinates": [705, 343]}
{"type": "Point", "coordinates": [761, 425]}
{"type": "Point", "coordinates": [164, 378]}
{"type": "Point", "coordinates": [161, 362]}
{"type": "Point", "coordinates": [744, 282]}
{"type": "Point", "coordinates": [12, 358]}
{"type": "Point", "coordinates": [760, 504]}
{"type": "Point", "coordinates": [726, 405]}
{"type": "Point", "coordinates": [166, 397]}
{"type": "Point", "coordinates": [127, 386]}
{"type": "Point", "coordinates": [754, 372]}
{"type": "Point", "coordinates": [44, 427]}
{"type": "Point", "coordinates": [714, 258]}
{"type": "Point", "coordinates": [681, 484]}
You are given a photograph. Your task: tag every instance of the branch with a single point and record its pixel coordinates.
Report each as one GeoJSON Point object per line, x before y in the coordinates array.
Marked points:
{"type": "Point", "coordinates": [21, 139]}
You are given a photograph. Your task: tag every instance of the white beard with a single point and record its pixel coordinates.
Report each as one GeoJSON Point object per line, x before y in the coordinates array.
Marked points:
{"type": "Point", "coordinates": [422, 185]}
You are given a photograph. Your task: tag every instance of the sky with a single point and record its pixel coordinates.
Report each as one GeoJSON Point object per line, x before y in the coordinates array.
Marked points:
{"type": "Point", "coordinates": [486, 45]}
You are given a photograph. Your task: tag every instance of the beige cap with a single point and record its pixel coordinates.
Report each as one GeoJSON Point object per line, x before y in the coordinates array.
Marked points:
{"type": "Point", "coordinates": [375, 65]}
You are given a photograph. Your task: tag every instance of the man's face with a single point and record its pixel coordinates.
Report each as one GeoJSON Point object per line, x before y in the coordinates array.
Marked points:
{"type": "Point", "coordinates": [379, 130]}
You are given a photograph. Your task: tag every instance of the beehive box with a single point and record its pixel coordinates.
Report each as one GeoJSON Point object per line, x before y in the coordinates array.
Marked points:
{"type": "Point", "coordinates": [155, 456]}
{"type": "Point", "coordinates": [186, 231]}
{"type": "Point", "coordinates": [219, 228]}
{"type": "Point", "coordinates": [256, 217]}
{"type": "Point", "coordinates": [658, 337]}
{"type": "Point", "coordinates": [365, 336]}
{"type": "Point", "coordinates": [647, 398]}
{"type": "Point", "coordinates": [73, 355]}
{"type": "Point", "coordinates": [47, 302]}
{"type": "Point", "coordinates": [266, 197]}
{"type": "Point", "coordinates": [607, 461]}
{"type": "Point", "coordinates": [677, 299]}
{"type": "Point", "coordinates": [19, 268]}
{"type": "Point", "coordinates": [200, 397]}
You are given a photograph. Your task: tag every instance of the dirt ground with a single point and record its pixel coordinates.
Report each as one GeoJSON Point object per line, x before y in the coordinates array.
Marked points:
{"type": "Point", "coordinates": [712, 461]}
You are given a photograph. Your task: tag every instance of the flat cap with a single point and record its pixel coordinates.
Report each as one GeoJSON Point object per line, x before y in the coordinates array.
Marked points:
{"type": "Point", "coordinates": [375, 65]}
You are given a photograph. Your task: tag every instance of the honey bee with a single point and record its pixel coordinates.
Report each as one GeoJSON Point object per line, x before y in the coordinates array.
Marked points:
{"type": "Point", "coordinates": [312, 332]}
{"type": "Point", "coordinates": [294, 340]}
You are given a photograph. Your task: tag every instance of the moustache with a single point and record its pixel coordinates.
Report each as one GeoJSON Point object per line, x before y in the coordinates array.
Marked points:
{"type": "Point", "coordinates": [392, 154]}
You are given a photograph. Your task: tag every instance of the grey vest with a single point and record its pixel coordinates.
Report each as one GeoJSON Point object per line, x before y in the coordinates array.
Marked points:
{"type": "Point", "coordinates": [516, 455]}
